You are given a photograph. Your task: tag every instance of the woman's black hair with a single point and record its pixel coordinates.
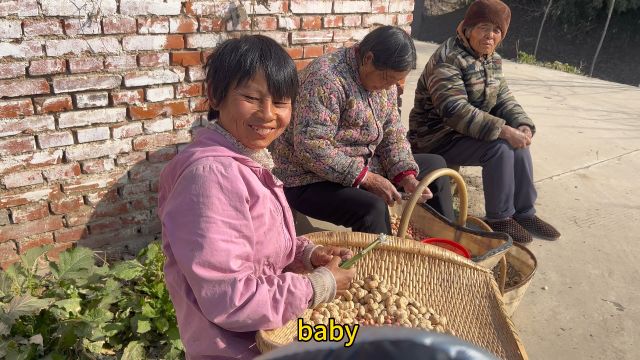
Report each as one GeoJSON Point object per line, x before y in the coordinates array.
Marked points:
{"type": "Point", "coordinates": [236, 61]}
{"type": "Point", "coordinates": [392, 49]}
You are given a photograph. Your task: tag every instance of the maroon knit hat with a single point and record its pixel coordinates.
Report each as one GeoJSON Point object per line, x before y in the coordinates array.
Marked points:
{"type": "Point", "coordinates": [492, 11]}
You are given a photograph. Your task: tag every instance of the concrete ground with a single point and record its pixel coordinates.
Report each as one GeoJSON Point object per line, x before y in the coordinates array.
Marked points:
{"type": "Point", "coordinates": [583, 302]}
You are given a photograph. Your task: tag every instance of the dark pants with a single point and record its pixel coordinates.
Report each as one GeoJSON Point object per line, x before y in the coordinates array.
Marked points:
{"type": "Point", "coordinates": [361, 210]}
{"type": "Point", "coordinates": [507, 175]}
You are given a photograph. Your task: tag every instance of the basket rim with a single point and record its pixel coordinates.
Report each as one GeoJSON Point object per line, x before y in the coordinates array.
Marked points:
{"type": "Point", "coordinates": [528, 277]}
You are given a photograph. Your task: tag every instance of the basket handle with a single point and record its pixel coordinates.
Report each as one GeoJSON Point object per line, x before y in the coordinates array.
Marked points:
{"type": "Point", "coordinates": [413, 200]}
{"type": "Point", "coordinates": [502, 276]}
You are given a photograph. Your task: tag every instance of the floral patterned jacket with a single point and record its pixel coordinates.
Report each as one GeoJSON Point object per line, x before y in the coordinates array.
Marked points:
{"type": "Point", "coordinates": [338, 127]}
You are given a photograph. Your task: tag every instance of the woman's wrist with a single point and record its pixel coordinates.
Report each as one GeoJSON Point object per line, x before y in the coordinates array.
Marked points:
{"type": "Point", "coordinates": [324, 286]}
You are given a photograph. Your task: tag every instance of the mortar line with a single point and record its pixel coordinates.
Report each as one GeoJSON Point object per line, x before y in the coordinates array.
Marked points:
{"type": "Point", "coordinates": [586, 166]}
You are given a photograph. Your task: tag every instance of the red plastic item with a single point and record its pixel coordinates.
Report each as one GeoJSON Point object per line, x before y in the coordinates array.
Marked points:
{"type": "Point", "coordinates": [449, 245]}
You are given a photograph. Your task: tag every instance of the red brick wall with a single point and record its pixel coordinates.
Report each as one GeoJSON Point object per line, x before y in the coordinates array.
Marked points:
{"type": "Point", "coordinates": [97, 95]}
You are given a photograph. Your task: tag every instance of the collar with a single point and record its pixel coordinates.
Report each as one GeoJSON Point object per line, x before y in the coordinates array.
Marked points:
{"type": "Point", "coordinates": [262, 156]}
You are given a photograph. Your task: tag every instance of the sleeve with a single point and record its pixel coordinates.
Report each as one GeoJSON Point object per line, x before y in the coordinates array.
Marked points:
{"type": "Point", "coordinates": [208, 226]}
{"type": "Point", "coordinates": [449, 96]}
{"type": "Point", "coordinates": [315, 125]}
{"type": "Point", "coordinates": [508, 108]}
{"type": "Point", "coordinates": [302, 260]}
{"type": "Point", "coordinates": [394, 150]}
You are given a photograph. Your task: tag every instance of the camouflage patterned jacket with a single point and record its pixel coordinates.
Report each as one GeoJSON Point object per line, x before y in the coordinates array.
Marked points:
{"type": "Point", "coordinates": [461, 94]}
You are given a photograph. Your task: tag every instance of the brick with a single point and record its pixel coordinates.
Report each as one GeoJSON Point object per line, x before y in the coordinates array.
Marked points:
{"type": "Point", "coordinates": [96, 166]}
{"type": "Point", "coordinates": [55, 139]}
{"type": "Point", "coordinates": [89, 26]}
{"type": "Point", "coordinates": [66, 204]}
{"type": "Point", "coordinates": [104, 210]}
{"type": "Point", "coordinates": [104, 226]}
{"type": "Point", "coordinates": [311, 7]}
{"type": "Point", "coordinates": [265, 23]}
{"type": "Point", "coordinates": [240, 26]}
{"type": "Point", "coordinates": [308, 37]}
{"type": "Point", "coordinates": [79, 217]}
{"type": "Point", "coordinates": [75, 233]}
{"type": "Point", "coordinates": [146, 172]}
{"type": "Point", "coordinates": [127, 131]}
{"type": "Point", "coordinates": [26, 125]}
{"type": "Point", "coordinates": [379, 6]}
{"type": "Point", "coordinates": [405, 19]}
{"type": "Point", "coordinates": [158, 126]}
{"type": "Point", "coordinates": [12, 70]}
{"type": "Point", "coordinates": [85, 82]}
{"type": "Point", "coordinates": [185, 58]}
{"type": "Point", "coordinates": [28, 8]}
{"type": "Point", "coordinates": [288, 22]}
{"type": "Point", "coordinates": [84, 65]}
{"type": "Point", "coordinates": [9, 8]}
{"type": "Point", "coordinates": [97, 149]}
{"type": "Point", "coordinates": [145, 203]}
{"type": "Point", "coordinates": [150, 7]}
{"type": "Point", "coordinates": [195, 41]}
{"type": "Point", "coordinates": [153, 60]}
{"type": "Point", "coordinates": [152, 42]}
{"type": "Point", "coordinates": [152, 110]}
{"type": "Point", "coordinates": [129, 97]}
{"type": "Point", "coordinates": [311, 23]}
{"type": "Point", "coordinates": [92, 100]}
{"type": "Point", "coordinates": [29, 212]}
{"type": "Point", "coordinates": [162, 155]}
{"type": "Point", "coordinates": [153, 25]}
{"type": "Point", "coordinates": [61, 172]}
{"type": "Point", "coordinates": [17, 88]}
{"type": "Point", "coordinates": [32, 160]}
{"type": "Point", "coordinates": [196, 73]}
{"type": "Point", "coordinates": [10, 29]}
{"type": "Point", "coordinates": [131, 158]}
{"type": "Point", "coordinates": [78, 8]}
{"type": "Point", "coordinates": [160, 93]}
{"type": "Point", "coordinates": [47, 66]}
{"type": "Point", "coordinates": [205, 55]}
{"type": "Point", "coordinates": [25, 49]}
{"type": "Point", "coordinates": [198, 104]}
{"type": "Point", "coordinates": [378, 19]}
{"type": "Point", "coordinates": [27, 243]}
{"type": "Point", "coordinates": [41, 27]}
{"type": "Point", "coordinates": [93, 134]}
{"type": "Point", "coordinates": [188, 90]}
{"type": "Point", "coordinates": [21, 198]}
{"type": "Point", "coordinates": [90, 117]}
{"type": "Point", "coordinates": [351, 6]}
{"type": "Point", "coordinates": [18, 231]}
{"type": "Point", "coordinates": [274, 7]}
{"type": "Point", "coordinates": [53, 104]}
{"type": "Point", "coordinates": [351, 34]}
{"type": "Point", "coordinates": [8, 251]}
{"type": "Point", "coordinates": [211, 24]}
{"type": "Point", "coordinates": [186, 122]}
{"type": "Point", "coordinates": [91, 183]}
{"type": "Point", "coordinates": [301, 64]}
{"type": "Point", "coordinates": [119, 25]}
{"type": "Point", "coordinates": [281, 37]}
{"type": "Point", "coordinates": [121, 62]}
{"type": "Point", "coordinates": [153, 77]}
{"type": "Point", "coordinates": [183, 25]}
{"type": "Point", "coordinates": [352, 20]}
{"type": "Point", "coordinates": [26, 178]}
{"type": "Point", "coordinates": [137, 189]}
{"type": "Point", "coordinates": [295, 52]}
{"type": "Point", "coordinates": [96, 45]}
{"type": "Point", "coordinates": [15, 108]}
{"type": "Point", "coordinates": [17, 145]}
{"type": "Point", "coordinates": [136, 218]}
{"type": "Point", "coordinates": [149, 142]}
{"type": "Point", "coordinates": [4, 216]}
{"type": "Point", "coordinates": [400, 6]}
{"type": "Point", "coordinates": [208, 8]}
{"type": "Point", "coordinates": [104, 196]}
{"type": "Point", "coordinates": [332, 21]}
{"type": "Point", "coordinates": [313, 51]}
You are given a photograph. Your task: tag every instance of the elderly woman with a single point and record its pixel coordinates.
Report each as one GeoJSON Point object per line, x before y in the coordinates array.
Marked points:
{"type": "Point", "coordinates": [465, 112]}
{"type": "Point", "coordinates": [227, 230]}
{"type": "Point", "coordinates": [346, 154]}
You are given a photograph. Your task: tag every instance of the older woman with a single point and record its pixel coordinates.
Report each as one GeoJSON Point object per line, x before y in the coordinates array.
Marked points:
{"type": "Point", "coordinates": [227, 230]}
{"type": "Point", "coordinates": [465, 112]}
{"type": "Point", "coordinates": [346, 154]}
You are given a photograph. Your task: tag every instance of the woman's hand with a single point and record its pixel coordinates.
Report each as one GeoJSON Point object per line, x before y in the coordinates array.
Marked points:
{"type": "Point", "coordinates": [343, 276]}
{"type": "Point", "coordinates": [516, 138]}
{"type": "Point", "coordinates": [322, 255]}
{"type": "Point", "coordinates": [382, 187]}
{"type": "Point", "coordinates": [527, 131]}
{"type": "Point", "coordinates": [410, 185]}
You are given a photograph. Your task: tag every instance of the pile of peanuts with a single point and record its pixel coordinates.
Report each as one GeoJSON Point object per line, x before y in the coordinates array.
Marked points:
{"type": "Point", "coordinates": [411, 232]}
{"type": "Point", "coordinates": [373, 302]}
{"type": "Point", "coordinates": [514, 277]}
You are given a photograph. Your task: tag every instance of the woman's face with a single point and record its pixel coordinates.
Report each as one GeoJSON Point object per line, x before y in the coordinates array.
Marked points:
{"type": "Point", "coordinates": [374, 79]}
{"type": "Point", "coordinates": [252, 115]}
{"type": "Point", "coordinates": [484, 38]}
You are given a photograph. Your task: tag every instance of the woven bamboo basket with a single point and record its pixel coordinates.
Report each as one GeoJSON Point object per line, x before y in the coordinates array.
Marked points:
{"type": "Point", "coordinates": [453, 286]}
{"type": "Point", "coordinates": [486, 247]}
{"type": "Point", "coordinates": [523, 260]}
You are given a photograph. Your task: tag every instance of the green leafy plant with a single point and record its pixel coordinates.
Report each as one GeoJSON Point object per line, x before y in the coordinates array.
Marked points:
{"type": "Point", "coordinates": [76, 309]}
{"type": "Point", "coordinates": [525, 58]}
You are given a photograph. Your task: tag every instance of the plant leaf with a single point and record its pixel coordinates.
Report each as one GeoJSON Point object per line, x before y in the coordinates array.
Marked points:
{"type": "Point", "coordinates": [148, 311]}
{"type": "Point", "coordinates": [24, 305]}
{"type": "Point", "coordinates": [73, 264]}
{"type": "Point", "coordinates": [98, 316]}
{"type": "Point", "coordinates": [127, 270]}
{"type": "Point", "coordinates": [71, 305]}
{"type": "Point", "coordinates": [134, 351]}
{"type": "Point", "coordinates": [6, 284]}
{"type": "Point", "coordinates": [30, 258]}
{"type": "Point", "coordinates": [93, 346]}
{"type": "Point", "coordinates": [143, 326]}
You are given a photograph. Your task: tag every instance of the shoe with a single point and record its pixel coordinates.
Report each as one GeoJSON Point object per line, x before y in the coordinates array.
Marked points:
{"type": "Point", "coordinates": [511, 227]}
{"type": "Point", "coordinates": [539, 228]}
